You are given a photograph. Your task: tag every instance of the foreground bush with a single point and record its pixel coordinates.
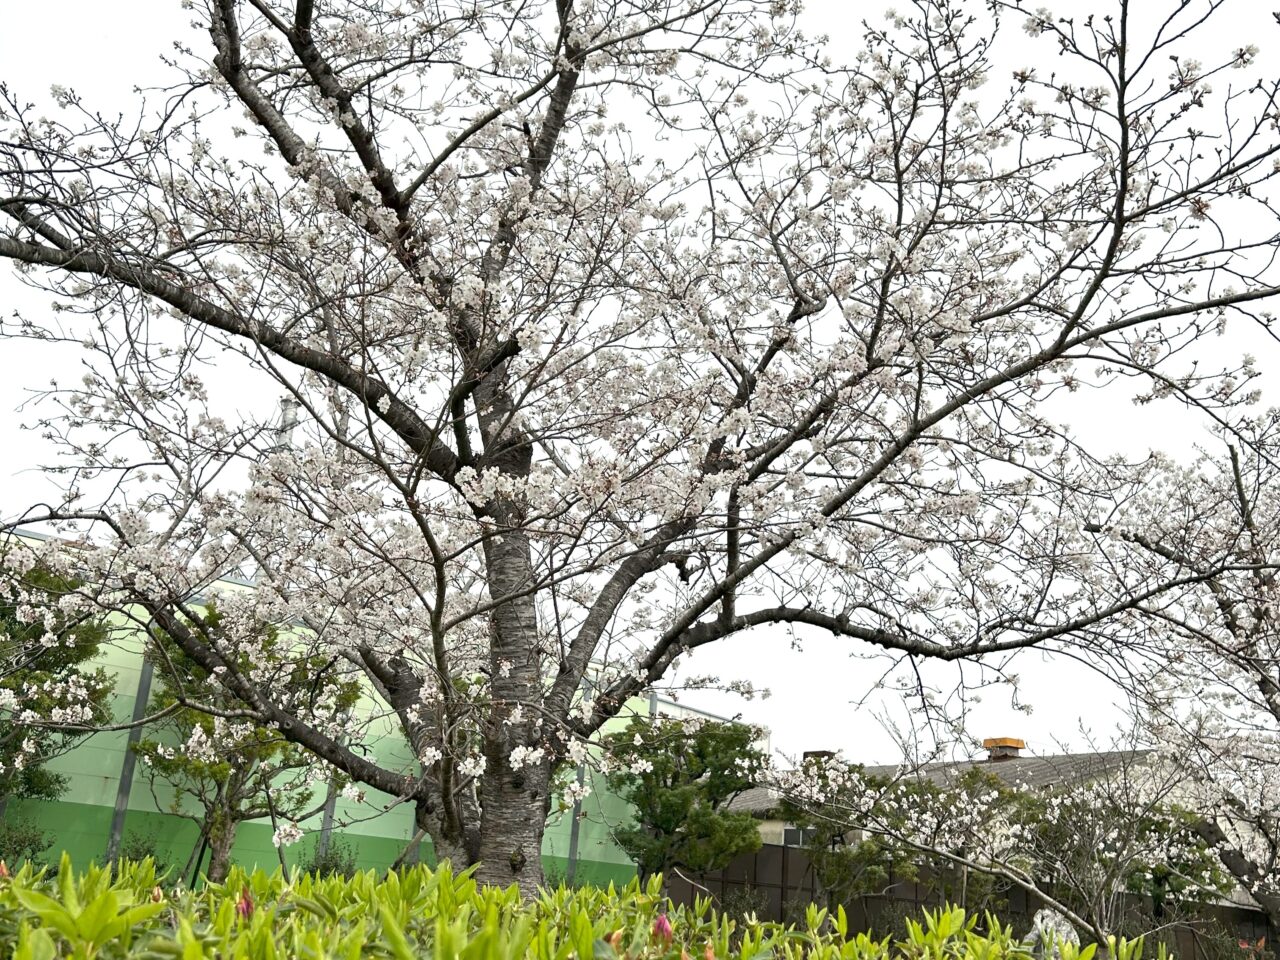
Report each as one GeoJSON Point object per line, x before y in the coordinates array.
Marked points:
{"type": "Point", "coordinates": [424, 913]}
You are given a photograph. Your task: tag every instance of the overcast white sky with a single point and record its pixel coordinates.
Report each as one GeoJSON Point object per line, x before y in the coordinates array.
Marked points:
{"type": "Point", "coordinates": [106, 50]}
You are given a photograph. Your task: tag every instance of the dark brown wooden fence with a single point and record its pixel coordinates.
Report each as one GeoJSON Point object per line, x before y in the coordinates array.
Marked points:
{"type": "Point", "coordinates": [778, 882]}
{"type": "Point", "coordinates": [777, 878]}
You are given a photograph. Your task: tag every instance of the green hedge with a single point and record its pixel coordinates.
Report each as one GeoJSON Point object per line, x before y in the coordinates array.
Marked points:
{"type": "Point", "coordinates": [421, 912]}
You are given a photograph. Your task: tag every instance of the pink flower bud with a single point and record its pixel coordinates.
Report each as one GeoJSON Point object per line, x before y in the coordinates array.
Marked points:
{"type": "Point", "coordinates": [662, 928]}
{"type": "Point", "coordinates": [244, 906]}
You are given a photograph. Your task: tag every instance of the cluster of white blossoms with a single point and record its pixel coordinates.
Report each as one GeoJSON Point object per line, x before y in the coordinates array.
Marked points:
{"type": "Point", "coordinates": [523, 756]}
{"type": "Point", "coordinates": [352, 792]}
{"type": "Point", "coordinates": [575, 792]}
{"type": "Point", "coordinates": [430, 755]}
{"type": "Point", "coordinates": [200, 747]}
{"type": "Point", "coordinates": [472, 765]}
{"type": "Point", "coordinates": [1101, 831]}
{"type": "Point", "coordinates": [26, 752]}
{"type": "Point", "coordinates": [286, 834]}
{"type": "Point", "coordinates": [51, 691]}
{"type": "Point", "coordinates": [161, 750]}
{"type": "Point", "coordinates": [1202, 665]}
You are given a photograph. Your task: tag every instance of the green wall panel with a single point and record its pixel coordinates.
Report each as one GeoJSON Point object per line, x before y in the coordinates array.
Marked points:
{"type": "Point", "coordinates": [376, 829]}
{"type": "Point", "coordinates": [78, 828]}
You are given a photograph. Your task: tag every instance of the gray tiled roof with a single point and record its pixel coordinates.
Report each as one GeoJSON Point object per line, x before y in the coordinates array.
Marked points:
{"type": "Point", "coordinates": [757, 800]}
{"type": "Point", "coordinates": [1044, 771]}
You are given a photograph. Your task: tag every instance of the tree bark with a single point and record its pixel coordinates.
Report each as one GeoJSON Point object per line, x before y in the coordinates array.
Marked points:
{"type": "Point", "coordinates": [514, 802]}
{"type": "Point", "coordinates": [512, 822]}
{"type": "Point", "coordinates": [426, 820]}
{"type": "Point", "coordinates": [222, 837]}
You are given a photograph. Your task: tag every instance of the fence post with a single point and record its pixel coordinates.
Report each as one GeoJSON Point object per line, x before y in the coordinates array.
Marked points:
{"type": "Point", "coordinates": [782, 897]}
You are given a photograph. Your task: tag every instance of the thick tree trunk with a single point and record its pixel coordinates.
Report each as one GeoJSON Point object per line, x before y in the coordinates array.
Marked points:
{"type": "Point", "coordinates": [513, 802]}
{"type": "Point", "coordinates": [426, 819]}
{"type": "Point", "coordinates": [222, 837]}
{"type": "Point", "coordinates": [511, 827]}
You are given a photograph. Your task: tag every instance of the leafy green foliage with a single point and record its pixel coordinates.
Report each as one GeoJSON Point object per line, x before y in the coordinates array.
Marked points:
{"type": "Point", "coordinates": [85, 911]}
{"type": "Point", "coordinates": [338, 857]}
{"type": "Point", "coordinates": [137, 846]}
{"type": "Point", "coordinates": [419, 912]}
{"type": "Point", "coordinates": [46, 651]}
{"type": "Point", "coordinates": [680, 777]}
{"type": "Point", "coordinates": [21, 839]}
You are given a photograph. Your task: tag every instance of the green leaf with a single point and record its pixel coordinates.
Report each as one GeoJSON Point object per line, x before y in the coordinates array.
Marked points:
{"type": "Point", "coordinates": [393, 933]}
{"type": "Point", "coordinates": [67, 884]}
{"type": "Point", "coordinates": [34, 944]}
{"type": "Point", "coordinates": [50, 911]}
{"type": "Point", "coordinates": [97, 914]}
{"type": "Point", "coordinates": [125, 922]}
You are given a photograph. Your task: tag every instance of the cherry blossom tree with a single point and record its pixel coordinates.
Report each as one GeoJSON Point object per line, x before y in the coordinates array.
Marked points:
{"type": "Point", "coordinates": [1078, 846]}
{"type": "Point", "coordinates": [1203, 667]}
{"type": "Point", "coordinates": [610, 330]}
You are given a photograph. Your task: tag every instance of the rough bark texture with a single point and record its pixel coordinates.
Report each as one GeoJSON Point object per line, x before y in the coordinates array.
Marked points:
{"type": "Point", "coordinates": [428, 822]}
{"type": "Point", "coordinates": [222, 837]}
{"type": "Point", "coordinates": [513, 802]}
{"type": "Point", "coordinates": [512, 825]}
